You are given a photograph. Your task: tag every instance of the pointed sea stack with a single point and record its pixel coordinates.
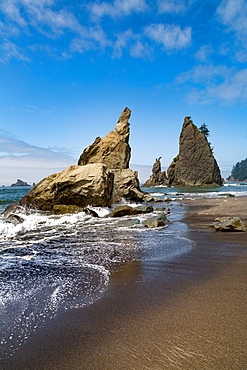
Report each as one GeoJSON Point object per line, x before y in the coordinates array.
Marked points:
{"type": "Point", "coordinates": [113, 150]}
{"type": "Point", "coordinates": [195, 164]}
{"type": "Point", "coordinates": [158, 177]}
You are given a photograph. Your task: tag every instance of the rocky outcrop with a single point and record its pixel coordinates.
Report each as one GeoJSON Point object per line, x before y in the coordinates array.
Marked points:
{"type": "Point", "coordinates": [102, 177]}
{"type": "Point", "coordinates": [195, 164]}
{"type": "Point", "coordinates": [158, 177]}
{"type": "Point", "coordinates": [76, 185]}
{"type": "Point", "coordinates": [113, 149]}
{"type": "Point", "coordinates": [20, 183]}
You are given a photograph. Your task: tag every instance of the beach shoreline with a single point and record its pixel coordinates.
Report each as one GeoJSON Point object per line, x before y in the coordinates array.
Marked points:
{"type": "Point", "coordinates": [192, 316]}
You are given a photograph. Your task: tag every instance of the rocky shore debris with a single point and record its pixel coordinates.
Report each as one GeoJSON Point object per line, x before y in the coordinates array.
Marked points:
{"type": "Point", "coordinates": [158, 177]}
{"type": "Point", "coordinates": [229, 224]}
{"type": "Point", "coordinates": [101, 178]}
{"type": "Point", "coordinates": [195, 164]}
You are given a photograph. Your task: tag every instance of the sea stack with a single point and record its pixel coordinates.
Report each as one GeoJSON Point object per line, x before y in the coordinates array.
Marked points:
{"type": "Point", "coordinates": [101, 178]}
{"type": "Point", "coordinates": [195, 164]}
{"type": "Point", "coordinates": [113, 150]}
{"type": "Point", "coordinates": [158, 177]}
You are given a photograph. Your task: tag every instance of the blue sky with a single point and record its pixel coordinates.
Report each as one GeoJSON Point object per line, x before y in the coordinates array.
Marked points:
{"type": "Point", "coordinates": [68, 68]}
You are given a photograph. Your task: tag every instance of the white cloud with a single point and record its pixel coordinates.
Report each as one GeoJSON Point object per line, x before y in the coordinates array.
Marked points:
{"type": "Point", "coordinates": [117, 9]}
{"type": "Point", "coordinates": [39, 13]}
{"type": "Point", "coordinates": [171, 6]}
{"type": "Point", "coordinates": [203, 53]}
{"type": "Point", "coordinates": [233, 13]}
{"type": "Point", "coordinates": [209, 83]}
{"type": "Point", "coordinates": [9, 50]}
{"type": "Point", "coordinates": [140, 50]}
{"type": "Point", "coordinates": [170, 36]}
{"type": "Point", "coordinates": [122, 43]}
{"type": "Point", "coordinates": [19, 159]}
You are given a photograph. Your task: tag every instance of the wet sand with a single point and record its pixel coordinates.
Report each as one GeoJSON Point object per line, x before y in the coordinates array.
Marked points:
{"type": "Point", "coordinates": [190, 315]}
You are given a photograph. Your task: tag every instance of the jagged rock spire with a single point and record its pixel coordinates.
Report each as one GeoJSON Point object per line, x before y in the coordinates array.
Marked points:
{"type": "Point", "coordinates": [113, 149]}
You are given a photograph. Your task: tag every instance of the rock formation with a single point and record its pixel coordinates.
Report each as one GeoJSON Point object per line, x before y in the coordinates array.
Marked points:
{"type": "Point", "coordinates": [195, 164]}
{"type": "Point", "coordinates": [20, 183]}
{"type": "Point", "coordinates": [113, 149]}
{"type": "Point", "coordinates": [158, 177]}
{"type": "Point", "coordinates": [76, 185]}
{"type": "Point", "coordinates": [102, 177]}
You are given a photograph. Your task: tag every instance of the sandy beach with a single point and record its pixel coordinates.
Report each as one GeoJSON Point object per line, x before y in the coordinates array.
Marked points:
{"type": "Point", "coordinates": [192, 316]}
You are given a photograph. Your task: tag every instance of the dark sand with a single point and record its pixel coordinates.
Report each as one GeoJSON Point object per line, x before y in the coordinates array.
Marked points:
{"type": "Point", "coordinates": [191, 316]}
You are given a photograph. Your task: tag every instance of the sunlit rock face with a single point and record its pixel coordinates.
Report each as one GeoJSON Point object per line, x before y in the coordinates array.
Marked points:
{"type": "Point", "coordinates": [195, 164]}
{"type": "Point", "coordinates": [113, 149]}
{"type": "Point", "coordinates": [76, 185]}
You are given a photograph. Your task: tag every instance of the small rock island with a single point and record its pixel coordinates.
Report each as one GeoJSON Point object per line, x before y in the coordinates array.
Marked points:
{"type": "Point", "coordinates": [20, 183]}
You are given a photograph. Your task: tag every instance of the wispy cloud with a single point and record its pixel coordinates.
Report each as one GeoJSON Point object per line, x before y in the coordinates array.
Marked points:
{"type": "Point", "coordinates": [19, 159]}
{"type": "Point", "coordinates": [233, 13]}
{"type": "Point", "coordinates": [203, 53]}
{"type": "Point", "coordinates": [209, 83]}
{"type": "Point", "coordinates": [171, 6]}
{"type": "Point", "coordinates": [140, 50]}
{"type": "Point", "coordinates": [117, 9]}
{"type": "Point", "coordinates": [170, 36]}
{"type": "Point", "coordinates": [122, 42]}
{"type": "Point", "coordinates": [9, 50]}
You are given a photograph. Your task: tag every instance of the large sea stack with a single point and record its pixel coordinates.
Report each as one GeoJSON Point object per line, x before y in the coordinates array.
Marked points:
{"type": "Point", "coordinates": [158, 177]}
{"type": "Point", "coordinates": [195, 164]}
{"type": "Point", "coordinates": [101, 178]}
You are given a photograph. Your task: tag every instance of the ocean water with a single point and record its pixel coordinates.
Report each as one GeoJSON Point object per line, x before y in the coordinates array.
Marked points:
{"type": "Point", "coordinates": [237, 189]}
{"type": "Point", "coordinates": [50, 264]}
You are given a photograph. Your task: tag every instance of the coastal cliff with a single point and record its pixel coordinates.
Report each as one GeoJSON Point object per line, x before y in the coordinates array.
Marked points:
{"type": "Point", "coordinates": [195, 164]}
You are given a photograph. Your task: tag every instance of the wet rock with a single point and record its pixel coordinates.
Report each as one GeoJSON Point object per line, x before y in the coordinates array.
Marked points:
{"type": "Point", "coordinates": [16, 219]}
{"type": "Point", "coordinates": [121, 211]}
{"type": "Point", "coordinates": [60, 209]}
{"type": "Point", "coordinates": [229, 224]}
{"type": "Point", "coordinates": [148, 198]}
{"type": "Point", "coordinates": [131, 222]}
{"type": "Point", "coordinates": [13, 208]}
{"type": "Point", "coordinates": [156, 221]}
{"type": "Point", "coordinates": [195, 164]}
